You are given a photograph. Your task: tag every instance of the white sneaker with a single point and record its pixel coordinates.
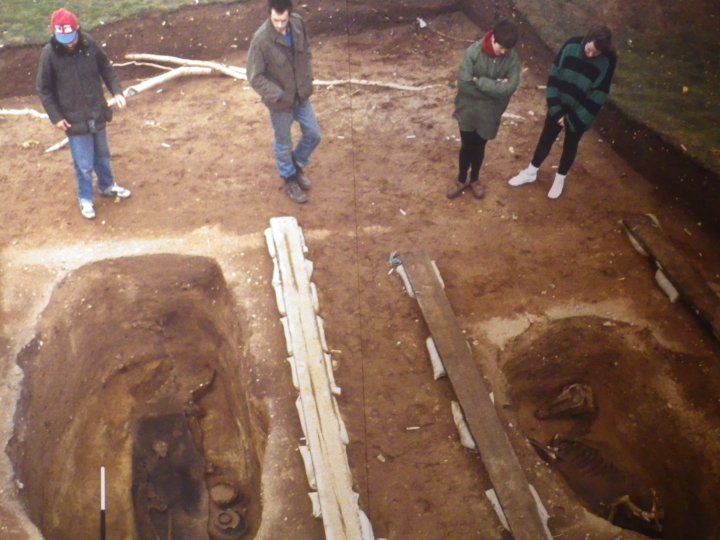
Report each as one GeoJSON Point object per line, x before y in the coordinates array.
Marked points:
{"type": "Point", "coordinates": [116, 191]}
{"type": "Point", "coordinates": [87, 209]}
{"type": "Point", "coordinates": [557, 188]}
{"type": "Point", "coordinates": [526, 176]}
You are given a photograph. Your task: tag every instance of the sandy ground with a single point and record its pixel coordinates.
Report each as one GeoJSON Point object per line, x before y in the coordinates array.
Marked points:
{"type": "Point", "coordinates": [534, 283]}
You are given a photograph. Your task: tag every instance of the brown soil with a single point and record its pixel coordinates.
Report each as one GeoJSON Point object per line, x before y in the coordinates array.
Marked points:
{"type": "Point", "coordinates": [548, 292]}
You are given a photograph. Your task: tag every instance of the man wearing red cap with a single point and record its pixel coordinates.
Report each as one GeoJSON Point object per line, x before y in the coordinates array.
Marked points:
{"type": "Point", "coordinates": [69, 84]}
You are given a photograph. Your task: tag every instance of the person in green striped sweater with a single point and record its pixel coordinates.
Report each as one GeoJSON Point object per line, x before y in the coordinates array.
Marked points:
{"type": "Point", "coordinates": [577, 88]}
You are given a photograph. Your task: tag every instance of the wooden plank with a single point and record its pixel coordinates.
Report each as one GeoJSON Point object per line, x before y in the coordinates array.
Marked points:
{"type": "Point", "coordinates": [692, 287]}
{"type": "Point", "coordinates": [497, 454]}
{"type": "Point", "coordinates": [338, 502]}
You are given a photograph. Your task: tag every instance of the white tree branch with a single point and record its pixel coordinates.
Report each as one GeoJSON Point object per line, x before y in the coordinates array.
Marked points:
{"type": "Point", "coordinates": [241, 73]}
{"type": "Point", "coordinates": [23, 112]}
{"type": "Point", "coordinates": [141, 87]}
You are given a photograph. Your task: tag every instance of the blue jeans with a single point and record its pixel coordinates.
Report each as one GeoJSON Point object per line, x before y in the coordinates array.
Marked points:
{"type": "Point", "coordinates": [90, 153]}
{"type": "Point", "coordinates": [286, 158]}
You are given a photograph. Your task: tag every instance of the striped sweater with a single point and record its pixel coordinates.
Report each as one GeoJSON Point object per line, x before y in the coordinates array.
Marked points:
{"type": "Point", "coordinates": [578, 86]}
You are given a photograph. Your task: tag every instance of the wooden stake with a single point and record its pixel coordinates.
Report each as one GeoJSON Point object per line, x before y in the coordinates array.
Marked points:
{"type": "Point", "coordinates": [102, 503]}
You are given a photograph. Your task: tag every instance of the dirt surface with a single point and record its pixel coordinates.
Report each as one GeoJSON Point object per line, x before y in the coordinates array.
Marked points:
{"type": "Point", "coordinates": [548, 292]}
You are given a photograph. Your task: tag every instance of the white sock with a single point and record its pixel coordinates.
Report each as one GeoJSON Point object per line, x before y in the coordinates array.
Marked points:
{"type": "Point", "coordinates": [532, 169]}
{"type": "Point", "coordinates": [557, 187]}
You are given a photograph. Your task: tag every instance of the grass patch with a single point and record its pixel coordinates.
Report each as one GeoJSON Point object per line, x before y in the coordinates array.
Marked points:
{"type": "Point", "coordinates": [26, 22]}
{"type": "Point", "coordinates": [675, 94]}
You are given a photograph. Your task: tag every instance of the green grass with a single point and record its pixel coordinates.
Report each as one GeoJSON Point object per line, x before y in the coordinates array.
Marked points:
{"type": "Point", "coordinates": [675, 94]}
{"type": "Point", "coordinates": [24, 22]}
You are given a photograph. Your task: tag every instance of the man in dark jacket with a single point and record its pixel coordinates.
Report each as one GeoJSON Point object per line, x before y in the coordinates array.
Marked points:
{"type": "Point", "coordinates": [280, 70]}
{"type": "Point", "coordinates": [577, 88]}
{"type": "Point", "coordinates": [69, 84]}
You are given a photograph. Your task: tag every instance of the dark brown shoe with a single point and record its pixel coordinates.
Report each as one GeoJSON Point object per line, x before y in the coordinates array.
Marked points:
{"type": "Point", "coordinates": [478, 190]}
{"type": "Point", "coordinates": [293, 190]}
{"type": "Point", "coordinates": [302, 180]}
{"type": "Point", "coordinates": [455, 191]}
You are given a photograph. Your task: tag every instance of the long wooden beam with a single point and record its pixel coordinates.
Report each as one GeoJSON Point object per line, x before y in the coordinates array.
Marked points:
{"type": "Point", "coordinates": [498, 456]}
{"type": "Point", "coordinates": [693, 288]}
{"type": "Point", "coordinates": [324, 454]}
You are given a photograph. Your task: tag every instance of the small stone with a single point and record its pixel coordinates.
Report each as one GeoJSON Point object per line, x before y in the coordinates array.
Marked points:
{"type": "Point", "coordinates": [223, 494]}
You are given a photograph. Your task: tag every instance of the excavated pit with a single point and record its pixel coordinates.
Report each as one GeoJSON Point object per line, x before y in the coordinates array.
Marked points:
{"type": "Point", "coordinates": [137, 365]}
{"type": "Point", "coordinates": [640, 431]}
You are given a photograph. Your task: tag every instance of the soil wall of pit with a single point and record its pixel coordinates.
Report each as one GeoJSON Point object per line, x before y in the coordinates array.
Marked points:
{"type": "Point", "coordinates": [120, 340]}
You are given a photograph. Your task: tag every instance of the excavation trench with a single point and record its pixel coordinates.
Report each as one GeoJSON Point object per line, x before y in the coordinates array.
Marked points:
{"type": "Point", "coordinates": [623, 426]}
{"type": "Point", "coordinates": [137, 366]}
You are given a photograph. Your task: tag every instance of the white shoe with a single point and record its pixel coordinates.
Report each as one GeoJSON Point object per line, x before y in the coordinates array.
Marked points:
{"type": "Point", "coordinates": [525, 176]}
{"type": "Point", "coordinates": [557, 187]}
{"type": "Point", "coordinates": [87, 209]}
{"type": "Point", "coordinates": [116, 191]}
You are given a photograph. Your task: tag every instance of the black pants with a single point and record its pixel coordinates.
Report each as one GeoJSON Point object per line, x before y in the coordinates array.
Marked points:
{"type": "Point", "coordinates": [550, 131]}
{"type": "Point", "coordinates": [472, 153]}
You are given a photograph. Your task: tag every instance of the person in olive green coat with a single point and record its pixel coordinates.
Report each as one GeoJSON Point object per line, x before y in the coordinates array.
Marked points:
{"type": "Point", "coordinates": [280, 71]}
{"type": "Point", "coordinates": [489, 75]}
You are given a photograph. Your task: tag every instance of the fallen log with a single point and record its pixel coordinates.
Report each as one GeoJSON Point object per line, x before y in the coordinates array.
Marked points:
{"type": "Point", "coordinates": [160, 79]}
{"type": "Point", "coordinates": [23, 112]}
{"type": "Point", "coordinates": [241, 73]}
{"type": "Point", "coordinates": [231, 71]}
{"type": "Point", "coordinates": [365, 82]}
{"type": "Point", "coordinates": [142, 64]}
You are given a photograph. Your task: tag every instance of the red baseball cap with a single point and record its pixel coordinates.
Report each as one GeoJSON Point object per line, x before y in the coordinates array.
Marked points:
{"type": "Point", "coordinates": [64, 25]}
